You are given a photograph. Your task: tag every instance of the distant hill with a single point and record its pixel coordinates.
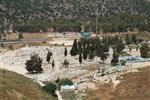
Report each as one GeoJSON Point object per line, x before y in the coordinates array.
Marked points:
{"type": "Point", "coordinates": [16, 87]}
{"type": "Point", "coordinates": [18, 12]}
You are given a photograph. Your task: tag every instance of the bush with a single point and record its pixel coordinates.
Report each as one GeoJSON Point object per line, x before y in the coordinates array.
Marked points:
{"type": "Point", "coordinates": [34, 65]}
{"type": "Point", "coordinates": [50, 88]}
{"type": "Point", "coordinates": [66, 63]}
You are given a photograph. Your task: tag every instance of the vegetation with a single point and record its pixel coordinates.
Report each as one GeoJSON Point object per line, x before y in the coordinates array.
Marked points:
{"type": "Point", "coordinates": [17, 87]}
{"type": "Point", "coordinates": [53, 65]}
{"type": "Point", "coordinates": [115, 60]}
{"type": "Point", "coordinates": [48, 58]}
{"type": "Point", "coordinates": [34, 65]}
{"type": "Point", "coordinates": [32, 16]}
{"type": "Point", "coordinates": [66, 52]}
{"type": "Point", "coordinates": [20, 36]}
{"type": "Point", "coordinates": [145, 50]}
{"type": "Point", "coordinates": [50, 88]}
{"type": "Point", "coordinates": [66, 63]}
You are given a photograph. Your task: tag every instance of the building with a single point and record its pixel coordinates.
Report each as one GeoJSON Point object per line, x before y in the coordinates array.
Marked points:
{"type": "Point", "coordinates": [68, 88]}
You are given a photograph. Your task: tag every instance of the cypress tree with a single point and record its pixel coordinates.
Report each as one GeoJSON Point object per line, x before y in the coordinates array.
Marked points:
{"type": "Point", "coordinates": [53, 65]}
{"type": "Point", "coordinates": [74, 49]}
{"type": "Point", "coordinates": [65, 52]}
{"type": "Point", "coordinates": [127, 40]}
{"type": "Point", "coordinates": [80, 58]}
{"type": "Point", "coordinates": [85, 53]}
{"type": "Point", "coordinates": [133, 38]}
{"type": "Point", "coordinates": [114, 60]}
{"type": "Point", "coordinates": [49, 54]}
{"type": "Point", "coordinates": [91, 55]}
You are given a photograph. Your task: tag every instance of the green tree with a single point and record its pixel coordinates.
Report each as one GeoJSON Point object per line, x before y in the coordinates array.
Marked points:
{"type": "Point", "coordinates": [91, 55]}
{"type": "Point", "coordinates": [127, 40]}
{"type": "Point", "coordinates": [145, 50]}
{"type": "Point", "coordinates": [80, 58]}
{"type": "Point", "coordinates": [65, 52]}
{"type": "Point", "coordinates": [120, 46]}
{"type": "Point", "coordinates": [34, 65]}
{"type": "Point", "coordinates": [66, 63]}
{"type": "Point", "coordinates": [103, 56]}
{"type": "Point", "coordinates": [115, 60]}
{"type": "Point", "coordinates": [50, 88]}
{"type": "Point", "coordinates": [134, 39]}
{"type": "Point", "coordinates": [49, 54]}
{"type": "Point", "coordinates": [20, 36]}
{"type": "Point", "coordinates": [53, 65]}
{"type": "Point", "coordinates": [74, 50]}
{"type": "Point", "coordinates": [85, 53]}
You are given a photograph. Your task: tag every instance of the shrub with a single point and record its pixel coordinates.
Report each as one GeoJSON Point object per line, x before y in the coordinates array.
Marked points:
{"type": "Point", "coordinates": [50, 88]}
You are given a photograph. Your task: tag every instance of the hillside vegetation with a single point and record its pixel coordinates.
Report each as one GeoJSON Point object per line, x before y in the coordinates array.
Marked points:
{"type": "Point", "coordinates": [17, 87]}
{"type": "Point", "coordinates": [36, 15]}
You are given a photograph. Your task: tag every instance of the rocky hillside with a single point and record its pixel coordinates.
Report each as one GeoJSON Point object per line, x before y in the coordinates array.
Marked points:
{"type": "Point", "coordinates": [25, 11]}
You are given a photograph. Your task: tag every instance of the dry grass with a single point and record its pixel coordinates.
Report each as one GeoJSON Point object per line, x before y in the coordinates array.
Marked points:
{"type": "Point", "coordinates": [133, 86]}
{"type": "Point", "coordinates": [17, 87]}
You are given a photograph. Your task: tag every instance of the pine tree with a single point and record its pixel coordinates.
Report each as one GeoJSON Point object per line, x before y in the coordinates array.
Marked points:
{"type": "Point", "coordinates": [80, 47]}
{"type": "Point", "coordinates": [127, 40]}
{"type": "Point", "coordinates": [133, 38]}
{"type": "Point", "coordinates": [66, 52]}
{"type": "Point", "coordinates": [103, 56]}
{"type": "Point", "coordinates": [145, 50]}
{"type": "Point", "coordinates": [53, 65]}
{"type": "Point", "coordinates": [20, 36]}
{"type": "Point", "coordinates": [49, 54]}
{"type": "Point", "coordinates": [85, 53]}
{"type": "Point", "coordinates": [114, 60]}
{"type": "Point", "coordinates": [74, 50]}
{"type": "Point", "coordinates": [120, 46]}
{"type": "Point", "coordinates": [91, 55]}
{"type": "Point", "coordinates": [80, 58]}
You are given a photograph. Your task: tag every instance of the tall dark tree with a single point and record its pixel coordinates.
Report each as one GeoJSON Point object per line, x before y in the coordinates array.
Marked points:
{"type": "Point", "coordinates": [49, 54]}
{"type": "Point", "coordinates": [134, 39]}
{"type": "Point", "coordinates": [103, 56]}
{"type": "Point", "coordinates": [120, 46]}
{"type": "Point", "coordinates": [20, 36]}
{"type": "Point", "coordinates": [145, 50]}
{"type": "Point", "coordinates": [91, 55]}
{"type": "Point", "coordinates": [80, 58]}
{"type": "Point", "coordinates": [65, 52]}
{"type": "Point", "coordinates": [85, 53]}
{"type": "Point", "coordinates": [80, 47]}
{"type": "Point", "coordinates": [127, 39]}
{"type": "Point", "coordinates": [115, 60]}
{"type": "Point", "coordinates": [74, 50]}
{"type": "Point", "coordinates": [53, 65]}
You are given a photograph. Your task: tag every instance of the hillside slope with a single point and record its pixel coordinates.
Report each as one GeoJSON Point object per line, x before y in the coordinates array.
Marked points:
{"type": "Point", "coordinates": [43, 11]}
{"type": "Point", "coordinates": [133, 86]}
{"type": "Point", "coordinates": [17, 87]}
